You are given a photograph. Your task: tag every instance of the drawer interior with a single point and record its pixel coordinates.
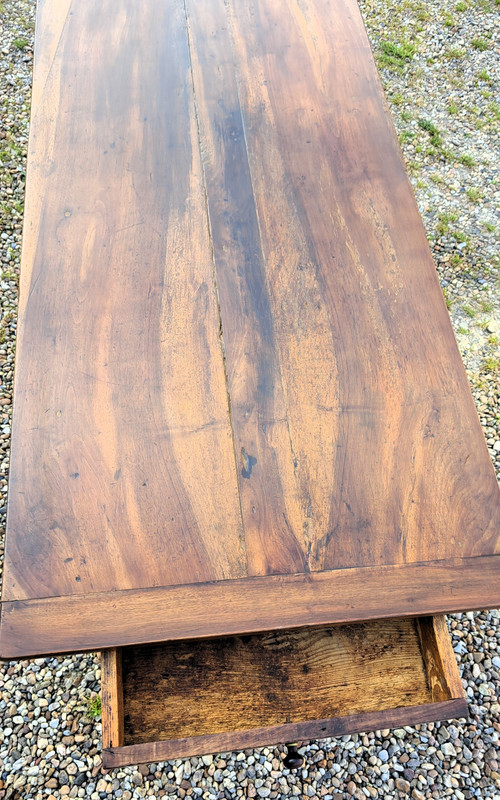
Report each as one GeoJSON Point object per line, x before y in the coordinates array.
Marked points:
{"type": "Point", "coordinates": [196, 696]}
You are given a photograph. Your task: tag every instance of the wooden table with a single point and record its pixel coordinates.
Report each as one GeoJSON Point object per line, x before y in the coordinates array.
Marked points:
{"type": "Point", "coordinates": [239, 404]}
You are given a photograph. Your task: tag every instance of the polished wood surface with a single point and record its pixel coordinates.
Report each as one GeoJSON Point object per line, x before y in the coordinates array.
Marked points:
{"type": "Point", "coordinates": [183, 697]}
{"type": "Point", "coordinates": [234, 359]}
{"type": "Point", "coordinates": [39, 627]}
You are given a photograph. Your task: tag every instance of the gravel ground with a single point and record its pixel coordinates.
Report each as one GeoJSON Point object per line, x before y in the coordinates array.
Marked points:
{"type": "Point", "coordinates": [441, 73]}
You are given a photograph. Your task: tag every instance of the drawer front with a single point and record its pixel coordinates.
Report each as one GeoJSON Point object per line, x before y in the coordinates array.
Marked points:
{"type": "Point", "coordinates": [186, 698]}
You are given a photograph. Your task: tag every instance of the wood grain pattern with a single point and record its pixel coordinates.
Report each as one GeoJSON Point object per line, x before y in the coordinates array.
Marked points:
{"type": "Point", "coordinates": [184, 689]}
{"type": "Point", "coordinates": [367, 455]}
{"type": "Point", "coordinates": [439, 659]}
{"type": "Point", "coordinates": [112, 698]}
{"type": "Point", "coordinates": [244, 606]}
{"type": "Point", "coordinates": [206, 696]}
{"type": "Point", "coordinates": [135, 480]}
{"type": "Point", "coordinates": [302, 731]}
{"type": "Point", "coordinates": [234, 359]}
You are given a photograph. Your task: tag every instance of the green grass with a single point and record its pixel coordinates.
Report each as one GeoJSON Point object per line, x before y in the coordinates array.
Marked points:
{"type": "Point", "coordinates": [454, 52]}
{"type": "Point", "coordinates": [489, 227]}
{"type": "Point", "coordinates": [480, 44]}
{"type": "Point", "coordinates": [444, 222]}
{"type": "Point", "coordinates": [94, 707]}
{"type": "Point", "coordinates": [406, 136]}
{"type": "Point", "coordinates": [469, 311]}
{"type": "Point", "coordinates": [434, 133]}
{"type": "Point", "coordinates": [394, 56]}
{"type": "Point", "coordinates": [466, 160]}
{"type": "Point", "coordinates": [491, 364]}
{"type": "Point", "coordinates": [485, 76]}
{"type": "Point", "coordinates": [495, 110]}
{"type": "Point", "coordinates": [473, 193]}
{"type": "Point", "coordinates": [461, 6]}
{"type": "Point", "coordinates": [452, 108]}
{"type": "Point", "coordinates": [20, 43]}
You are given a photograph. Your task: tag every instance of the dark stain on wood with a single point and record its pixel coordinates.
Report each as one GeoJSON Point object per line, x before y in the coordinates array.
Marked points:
{"type": "Point", "coordinates": [224, 271]}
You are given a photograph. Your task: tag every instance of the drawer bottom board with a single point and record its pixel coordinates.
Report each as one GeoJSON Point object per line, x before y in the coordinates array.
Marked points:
{"type": "Point", "coordinates": [179, 699]}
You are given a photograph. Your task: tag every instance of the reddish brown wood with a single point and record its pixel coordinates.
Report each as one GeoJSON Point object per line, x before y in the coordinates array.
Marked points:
{"type": "Point", "coordinates": [243, 606]}
{"type": "Point", "coordinates": [123, 470]}
{"type": "Point", "coordinates": [234, 359]}
{"type": "Point", "coordinates": [112, 698]}
{"type": "Point", "coordinates": [440, 660]}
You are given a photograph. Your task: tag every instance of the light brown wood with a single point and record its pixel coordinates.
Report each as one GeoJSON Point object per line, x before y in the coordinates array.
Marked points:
{"type": "Point", "coordinates": [186, 689]}
{"type": "Point", "coordinates": [239, 404]}
{"type": "Point", "coordinates": [188, 697]}
{"type": "Point", "coordinates": [112, 698]}
{"type": "Point", "coordinates": [248, 605]}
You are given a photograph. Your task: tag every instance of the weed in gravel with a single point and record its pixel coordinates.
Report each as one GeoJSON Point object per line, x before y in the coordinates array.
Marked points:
{"type": "Point", "coordinates": [454, 53]}
{"type": "Point", "coordinates": [21, 43]}
{"type": "Point", "coordinates": [469, 311]}
{"type": "Point", "coordinates": [432, 130]}
{"type": "Point", "coordinates": [467, 160]}
{"type": "Point", "coordinates": [495, 110]}
{"type": "Point", "coordinates": [394, 56]}
{"type": "Point", "coordinates": [480, 44]}
{"type": "Point", "coordinates": [444, 222]}
{"type": "Point", "coordinates": [94, 708]}
{"type": "Point", "coordinates": [474, 194]}
{"type": "Point", "coordinates": [485, 76]}
{"type": "Point", "coordinates": [461, 6]}
{"type": "Point", "coordinates": [491, 364]}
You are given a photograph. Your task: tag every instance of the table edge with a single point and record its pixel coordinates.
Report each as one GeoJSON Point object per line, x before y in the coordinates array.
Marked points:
{"type": "Point", "coordinates": [79, 623]}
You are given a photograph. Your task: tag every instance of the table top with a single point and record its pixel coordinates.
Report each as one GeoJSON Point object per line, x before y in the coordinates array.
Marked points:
{"type": "Point", "coordinates": [239, 403]}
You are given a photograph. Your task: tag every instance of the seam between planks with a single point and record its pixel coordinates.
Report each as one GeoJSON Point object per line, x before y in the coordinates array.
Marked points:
{"type": "Point", "coordinates": [214, 275]}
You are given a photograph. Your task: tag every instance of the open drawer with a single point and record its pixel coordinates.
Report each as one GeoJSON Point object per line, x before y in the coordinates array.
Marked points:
{"type": "Point", "coordinates": [192, 697]}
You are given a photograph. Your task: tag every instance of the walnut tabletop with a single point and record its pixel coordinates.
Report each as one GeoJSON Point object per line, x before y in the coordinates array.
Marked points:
{"type": "Point", "coordinates": [239, 404]}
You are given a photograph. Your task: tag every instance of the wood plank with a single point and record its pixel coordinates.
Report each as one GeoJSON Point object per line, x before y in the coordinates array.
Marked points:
{"type": "Point", "coordinates": [112, 698]}
{"type": "Point", "coordinates": [351, 397]}
{"type": "Point", "coordinates": [304, 731]}
{"type": "Point", "coordinates": [259, 409]}
{"type": "Point", "coordinates": [247, 605]}
{"type": "Point", "coordinates": [123, 469]}
{"type": "Point", "coordinates": [440, 661]}
{"type": "Point", "coordinates": [180, 690]}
